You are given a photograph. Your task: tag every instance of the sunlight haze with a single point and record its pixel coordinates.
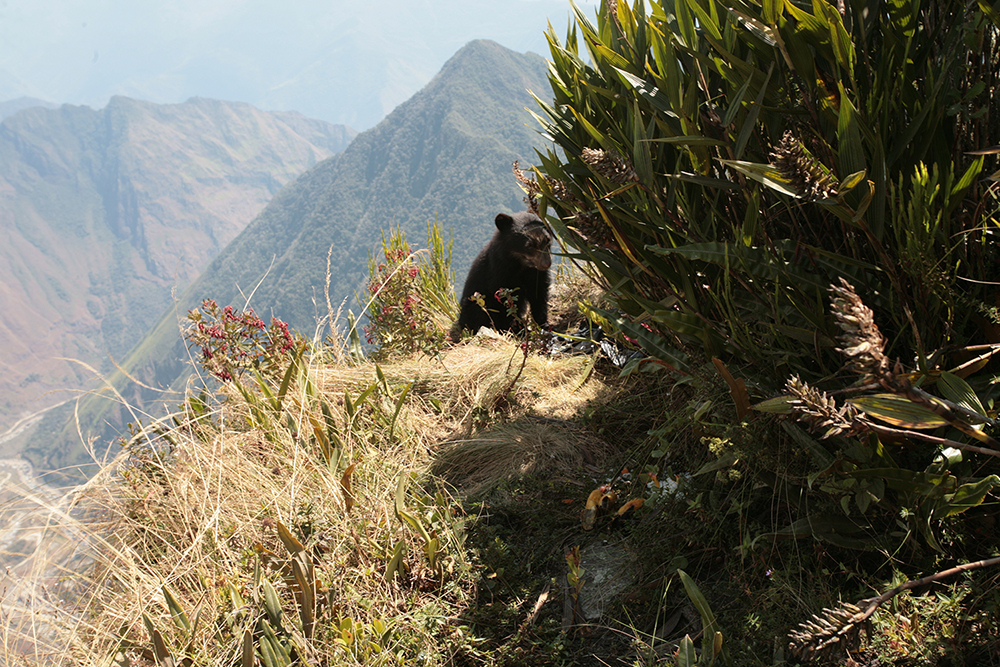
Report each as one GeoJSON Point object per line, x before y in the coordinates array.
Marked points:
{"type": "Point", "coordinates": [342, 62]}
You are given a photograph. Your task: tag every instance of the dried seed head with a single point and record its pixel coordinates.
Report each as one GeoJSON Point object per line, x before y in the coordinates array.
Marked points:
{"type": "Point", "coordinates": [593, 227]}
{"type": "Point", "coordinates": [613, 13]}
{"type": "Point", "coordinates": [824, 634]}
{"type": "Point", "coordinates": [864, 344]}
{"type": "Point", "coordinates": [805, 174]}
{"type": "Point", "coordinates": [820, 411]}
{"type": "Point", "coordinates": [562, 193]}
{"type": "Point", "coordinates": [530, 187]}
{"type": "Point", "coordinates": [609, 165]}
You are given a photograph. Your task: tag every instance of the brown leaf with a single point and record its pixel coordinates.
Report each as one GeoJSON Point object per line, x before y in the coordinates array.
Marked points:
{"type": "Point", "coordinates": [345, 486]}
{"type": "Point", "coordinates": [630, 506]}
{"type": "Point", "coordinates": [598, 500]}
{"type": "Point", "coordinates": [737, 389]}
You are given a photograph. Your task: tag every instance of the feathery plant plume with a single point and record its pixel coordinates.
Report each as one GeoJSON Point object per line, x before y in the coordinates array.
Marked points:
{"type": "Point", "coordinates": [590, 224]}
{"type": "Point", "coordinates": [596, 230]}
{"type": "Point", "coordinates": [864, 344]}
{"type": "Point", "coordinates": [822, 635]}
{"type": "Point", "coordinates": [530, 187]}
{"type": "Point", "coordinates": [533, 190]}
{"type": "Point", "coordinates": [610, 165]}
{"type": "Point", "coordinates": [807, 175]}
{"type": "Point", "coordinates": [562, 193]}
{"type": "Point", "coordinates": [820, 411]}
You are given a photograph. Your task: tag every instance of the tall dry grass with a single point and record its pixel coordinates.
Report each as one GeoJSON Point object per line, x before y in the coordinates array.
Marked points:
{"type": "Point", "coordinates": [173, 547]}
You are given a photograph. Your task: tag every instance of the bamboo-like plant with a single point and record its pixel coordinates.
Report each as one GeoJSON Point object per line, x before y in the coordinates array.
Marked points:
{"type": "Point", "coordinates": [721, 162]}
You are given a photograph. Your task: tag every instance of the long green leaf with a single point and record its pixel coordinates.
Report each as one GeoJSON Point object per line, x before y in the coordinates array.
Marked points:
{"type": "Point", "coordinates": [763, 173]}
{"type": "Point", "coordinates": [305, 577]}
{"type": "Point", "coordinates": [736, 103]}
{"type": "Point", "coordinates": [400, 497]}
{"type": "Point", "coordinates": [708, 621]}
{"type": "Point", "coordinates": [686, 655]}
{"type": "Point", "coordinates": [398, 407]}
{"type": "Point", "coordinates": [958, 391]}
{"type": "Point", "coordinates": [392, 568]}
{"type": "Point", "coordinates": [159, 646]}
{"type": "Point", "coordinates": [177, 614]}
{"type": "Point", "coordinates": [704, 21]}
{"type": "Point", "coordinates": [685, 24]}
{"type": "Point", "coordinates": [416, 524]}
{"type": "Point", "coordinates": [966, 496]}
{"type": "Point", "coordinates": [898, 411]}
{"type": "Point", "coordinates": [248, 652]}
{"type": "Point", "coordinates": [688, 140]}
{"type": "Point", "coordinates": [649, 92]}
{"type": "Point", "coordinates": [852, 152]}
{"type": "Point", "coordinates": [293, 366]}
{"type": "Point", "coordinates": [272, 604]}
{"type": "Point", "coordinates": [780, 405]}
{"type": "Point", "coordinates": [751, 120]}
{"type": "Point", "coordinates": [290, 541]}
{"type": "Point", "coordinates": [654, 345]}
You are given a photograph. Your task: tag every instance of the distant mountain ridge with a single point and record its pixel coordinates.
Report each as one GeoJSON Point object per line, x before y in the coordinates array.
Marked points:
{"type": "Point", "coordinates": [445, 153]}
{"type": "Point", "coordinates": [11, 107]}
{"type": "Point", "coordinates": [103, 213]}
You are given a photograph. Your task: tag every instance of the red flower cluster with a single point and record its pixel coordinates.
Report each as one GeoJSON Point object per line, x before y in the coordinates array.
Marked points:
{"type": "Point", "coordinates": [232, 341]}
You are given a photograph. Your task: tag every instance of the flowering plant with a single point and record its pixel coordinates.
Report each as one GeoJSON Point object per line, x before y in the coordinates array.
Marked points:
{"type": "Point", "coordinates": [411, 300]}
{"type": "Point", "coordinates": [230, 341]}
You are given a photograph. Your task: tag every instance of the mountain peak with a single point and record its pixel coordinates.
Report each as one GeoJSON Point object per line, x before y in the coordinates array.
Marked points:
{"type": "Point", "coordinates": [475, 59]}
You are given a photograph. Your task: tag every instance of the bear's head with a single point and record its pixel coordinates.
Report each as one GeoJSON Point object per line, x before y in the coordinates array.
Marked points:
{"type": "Point", "coordinates": [526, 237]}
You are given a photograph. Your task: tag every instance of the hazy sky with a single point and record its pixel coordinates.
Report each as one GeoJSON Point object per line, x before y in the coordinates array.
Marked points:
{"type": "Point", "coordinates": [346, 62]}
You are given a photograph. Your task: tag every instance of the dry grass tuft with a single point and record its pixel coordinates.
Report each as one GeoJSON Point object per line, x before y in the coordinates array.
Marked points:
{"type": "Point", "coordinates": [508, 451]}
{"type": "Point", "coordinates": [450, 390]}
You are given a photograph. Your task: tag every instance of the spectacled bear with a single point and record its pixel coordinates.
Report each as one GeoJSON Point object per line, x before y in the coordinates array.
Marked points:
{"type": "Point", "coordinates": [517, 257]}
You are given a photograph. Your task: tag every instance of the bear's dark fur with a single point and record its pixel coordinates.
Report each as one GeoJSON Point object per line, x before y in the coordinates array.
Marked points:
{"type": "Point", "coordinates": [518, 257]}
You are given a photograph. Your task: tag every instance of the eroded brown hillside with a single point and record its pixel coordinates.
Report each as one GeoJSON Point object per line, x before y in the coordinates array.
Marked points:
{"type": "Point", "coordinates": [103, 213]}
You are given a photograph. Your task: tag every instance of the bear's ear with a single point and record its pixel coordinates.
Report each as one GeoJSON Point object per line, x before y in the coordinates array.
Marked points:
{"type": "Point", "coordinates": [504, 222]}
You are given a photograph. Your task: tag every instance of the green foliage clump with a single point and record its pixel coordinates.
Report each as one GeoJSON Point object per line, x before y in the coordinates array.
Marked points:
{"type": "Point", "coordinates": [797, 192]}
{"type": "Point", "coordinates": [730, 169]}
{"type": "Point", "coordinates": [722, 163]}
